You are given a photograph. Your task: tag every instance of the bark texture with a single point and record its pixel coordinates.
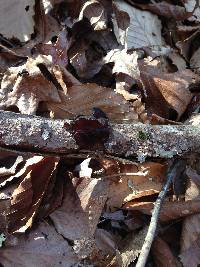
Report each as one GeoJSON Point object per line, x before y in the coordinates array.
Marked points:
{"type": "Point", "coordinates": [37, 134]}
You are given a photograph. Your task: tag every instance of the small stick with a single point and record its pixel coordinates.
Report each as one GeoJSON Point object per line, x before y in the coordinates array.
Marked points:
{"type": "Point", "coordinates": [155, 214]}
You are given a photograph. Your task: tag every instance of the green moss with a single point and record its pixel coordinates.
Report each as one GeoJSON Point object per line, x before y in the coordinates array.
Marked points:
{"type": "Point", "coordinates": [143, 136]}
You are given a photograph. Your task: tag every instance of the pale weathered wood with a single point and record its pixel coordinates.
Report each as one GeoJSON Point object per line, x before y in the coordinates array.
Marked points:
{"type": "Point", "coordinates": [37, 134]}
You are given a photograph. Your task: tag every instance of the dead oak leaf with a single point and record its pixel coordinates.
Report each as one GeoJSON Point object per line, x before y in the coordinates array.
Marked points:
{"type": "Point", "coordinates": [144, 29]}
{"type": "Point", "coordinates": [170, 210]}
{"type": "Point", "coordinates": [166, 10]}
{"type": "Point", "coordinates": [57, 50]}
{"type": "Point", "coordinates": [80, 99]}
{"type": "Point", "coordinates": [25, 87]}
{"type": "Point", "coordinates": [29, 163]}
{"type": "Point", "coordinates": [79, 214]}
{"type": "Point", "coordinates": [191, 224]}
{"type": "Point", "coordinates": [27, 197]}
{"type": "Point", "coordinates": [16, 19]}
{"type": "Point", "coordinates": [94, 11]}
{"type": "Point", "coordinates": [163, 255]}
{"type": "Point", "coordinates": [124, 62]}
{"type": "Point", "coordinates": [135, 181]}
{"type": "Point", "coordinates": [5, 171]}
{"type": "Point", "coordinates": [41, 247]}
{"type": "Point", "coordinates": [167, 92]}
{"type": "Point", "coordinates": [191, 257]}
{"type": "Point", "coordinates": [130, 248]}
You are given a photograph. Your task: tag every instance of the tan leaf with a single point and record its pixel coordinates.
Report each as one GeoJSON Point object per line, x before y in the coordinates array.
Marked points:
{"type": "Point", "coordinates": [193, 5]}
{"type": "Point", "coordinates": [9, 171]}
{"type": "Point", "coordinates": [5, 198]}
{"type": "Point", "coordinates": [57, 50]}
{"type": "Point", "coordinates": [79, 214]}
{"type": "Point", "coordinates": [80, 99]}
{"type": "Point", "coordinates": [93, 10]}
{"type": "Point", "coordinates": [191, 224]}
{"type": "Point", "coordinates": [124, 62]}
{"type": "Point", "coordinates": [42, 247]}
{"type": "Point", "coordinates": [25, 87]}
{"type": "Point", "coordinates": [194, 61]}
{"type": "Point", "coordinates": [27, 197]}
{"type": "Point", "coordinates": [30, 162]}
{"type": "Point", "coordinates": [191, 257]}
{"type": "Point", "coordinates": [166, 10]}
{"type": "Point", "coordinates": [194, 119]}
{"type": "Point", "coordinates": [144, 29]}
{"type": "Point", "coordinates": [46, 25]}
{"type": "Point", "coordinates": [121, 21]}
{"type": "Point", "coordinates": [170, 210]}
{"type": "Point", "coordinates": [177, 60]}
{"type": "Point", "coordinates": [162, 254]}
{"type": "Point", "coordinates": [141, 180]}
{"type": "Point", "coordinates": [186, 45]}
{"type": "Point", "coordinates": [190, 231]}
{"type": "Point", "coordinates": [168, 90]}
{"type": "Point", "coordinates": [16, 19]}
{"type": "Point", "coordinates": [131, 247]}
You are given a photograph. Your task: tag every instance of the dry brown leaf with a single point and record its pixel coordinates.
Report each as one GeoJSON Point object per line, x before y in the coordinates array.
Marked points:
{"type": "Point", "coordinates": [194, 61]}
{"type": "Point", "coordinates": [105, 241]}
{"type": "Point", "coordinates": [79, 214]}
{"type": "Point", "coordinates": [46, 26]}
{"type": "Point", "coordinates": [30, 162]}
{"type": "Point", "coordinates": [121, 21]}
{"type": "Point", "coordinates": [190, 231]}
{"type": "Point", "coordinates": [16, 19]}
{"type": "Point", "coordinates": [27, 197]}
{"type": "Point", "coordinates": [191, 256]}
{"type": "Point", "coordinates": [162, 254]}
{"type": "Point", "coordinates": [166, 10]}
{"type": "Point", "coordinates": [5, 171]}
{"type": "Point", "coordinates": [170, 210]}
{"type": "Point", "coordinates": [42, 247]}
{"type": "Point", "coordinates": [195, 177]}
{"type": "Point", "coordinates": [86, 58]}
{"type": "Point", "coordinates": [141, 180]}
{"type": "Point", "coordinates": [124, 62]}
{"type": "Point", "coordinates": [177, 60]}
{"type": "Point", "coordinates": [157, 120]}
{"type": "Point", "coordinates": [166, 91]}
{"type": "Point", "coordinates": [131, 247]}
{"type": "Point", "coordinates": [94, 11]}
{"type": "Point", "coordinates": [191, 224]}
{"type": "Point", "coordinates": [144, 29]}
{"type": "Point", "coordinates": [57, 50]}
{"type": "Point", "coordinates": [187, 45]}
{"type": "Point", "coordinates": [193, 5]}
{"type": "Point", "coordinates": [80, 99]}
{"type": "Point", "coordinates": [5, 198]}
{"type": "Point", "coordinates": [25, 87]}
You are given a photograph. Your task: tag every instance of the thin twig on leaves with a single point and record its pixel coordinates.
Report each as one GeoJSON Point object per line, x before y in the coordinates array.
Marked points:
{"type": "Point", "coordinates": [155, 214]}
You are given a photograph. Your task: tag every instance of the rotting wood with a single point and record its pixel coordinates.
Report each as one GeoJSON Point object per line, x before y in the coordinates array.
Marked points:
{"type": "Point", "coordinates": [38, 134]}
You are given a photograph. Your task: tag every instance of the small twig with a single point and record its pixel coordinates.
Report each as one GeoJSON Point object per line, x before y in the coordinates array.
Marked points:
{"type": "Point", "coordinates": [155, 215]}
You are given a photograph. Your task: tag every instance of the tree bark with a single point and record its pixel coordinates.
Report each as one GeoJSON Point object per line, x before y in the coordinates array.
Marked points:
{"type": "Point", "coordinates": [37, 134]}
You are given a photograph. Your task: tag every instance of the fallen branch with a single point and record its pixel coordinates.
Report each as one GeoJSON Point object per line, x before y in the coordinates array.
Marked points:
{"type": "Point", "coordinates": [155, 215]}
{"type": "Point", "coordinates": [42, 135]}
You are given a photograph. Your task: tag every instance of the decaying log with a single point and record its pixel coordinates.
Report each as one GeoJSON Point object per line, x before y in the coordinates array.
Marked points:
{"type": "Point", "coordinates": [37, 134]}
